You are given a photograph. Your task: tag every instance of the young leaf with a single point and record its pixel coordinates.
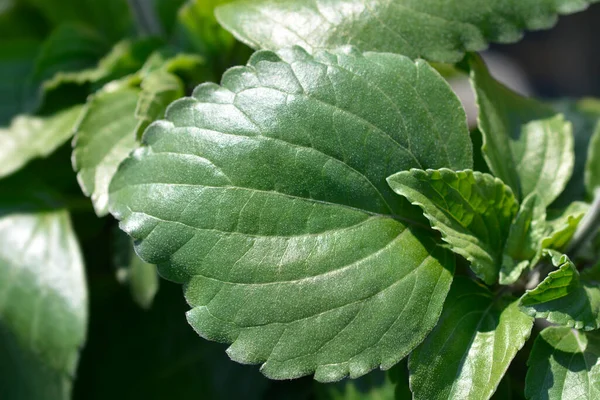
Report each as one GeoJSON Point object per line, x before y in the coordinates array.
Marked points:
{"type": "Point", "coordinates": [43, 304]}
{"type": "Point", "coordinates": [159, 89]}
{"type": "Point", "coordinates": [267, 197]}
{"type": "Point", "coordinates": [526, 144]}
{"type": "Point", "coordinates": [437, 30]}
{"type": "Point", "coordinates": [524, 239]}
{"type": "Point", "coordinates": [564, 298]}
{"type": "Point", "coordinates": [561, 225]}
{"type": "Point", "coordinates": [469, 351]}
{"type": "Point", "coordinates": [563, 365]}
{"type": "Point", "coordinates": [29, 137]}
{"type": "Point", "coordinates": [592, 167]}
{"type": "Point", "coordinates": [140, 276]}
{"type": "Point", "coordinates": [103, 138]}
{"type": "Point", "coordinates": [472, 210]}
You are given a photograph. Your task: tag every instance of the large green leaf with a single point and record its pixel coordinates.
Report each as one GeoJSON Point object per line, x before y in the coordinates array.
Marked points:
{"type": "Point", "coordinates": [267, 197]}
{"type": "Point", "coordinates": [438, 30]}
{"type": "Point", "coordinates": [592, 167]}
{"type": "Point", "coordinates": [565, 297]}
{"type": "Point", "coordinates": [526, 143]}
{"type": "Point", "coordinates": [472, 210]}
{"type": "Point", "coordinates": [469, 351]}
{"type": "Point", "coordinates": [563, 365]}
{"type": "Point", "coordinates": [104, 136]}
{"type": "Point", "coordinates": [43, 303]}
{"type": "Point", "coordinates": [29, 137]}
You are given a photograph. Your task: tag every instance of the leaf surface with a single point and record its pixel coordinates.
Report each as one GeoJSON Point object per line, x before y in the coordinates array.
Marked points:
{"type": "Point", "coordinates": [469, 351]}
{"type": "Point", "coordinates": [563, 365]}
{"type": "Point", "coordinates": [564, 298]}
{"type": "Point", "coordinates": [436, 30]}
{"type": "Point", "coordinates": [29, 137]}
{"type": "Point", "coordinates": [472, 210]}
{"type": "Point", "coordinates": [526, 143]}
{"type": "Point", "coordinates": [592, 167]}
{"type": "Point", "coordinates": [43, 303]}
{"type": "Point", "coordinates": [267, 198]}
{"type": "Point", "coordinates": [103, 138]}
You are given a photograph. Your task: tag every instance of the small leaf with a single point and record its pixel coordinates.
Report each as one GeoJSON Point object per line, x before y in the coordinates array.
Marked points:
{"type": "Point", "coordinates": [437, 30]}
{"type": "Point", "coordinates": [472, 210]}
{"type": "Point", "coordinates": [469, 351]}
{"type": "Point", "coordinates": [29, 137]}
{"type": "Point", "coordinates": [103, 138]}
{"type": "Point", "coordinates": [564, 298]}
{"type": "Point", "coordinates": [159, 89]}
{"type": "Point", "coordinates": [561, 226]}
{"type": "Point", "coordinates": [563, 365]}
{"type": "Point", "coordinates": [524, 243]}
{"type": "Point", "coordinates": [592, 167]}
{"type": "Point", "coordinates": [267, 198]}
{"type": "Point", "coordinates": [43, 303]}
{"type": "Point", "coordinates": [526, 143]}
{"type": "Point", "coordinates": [131, 270]}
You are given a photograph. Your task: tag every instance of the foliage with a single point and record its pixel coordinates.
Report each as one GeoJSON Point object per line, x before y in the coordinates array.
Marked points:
{"type": "Point", "coordinates": [325, 206]}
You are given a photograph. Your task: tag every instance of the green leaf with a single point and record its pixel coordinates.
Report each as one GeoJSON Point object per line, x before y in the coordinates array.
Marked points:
{"type": "Point", "coordinates": [131, 270]}
{"type": "Point", "coordinates": [564, 298]}
{"type": "Point", "coordinates": [563, 365]}
{"type": "Point", "coordinates": [561, 225]}
{"type": "Point", "coordinates": [592, 167]}
{"type": "Point", "coordinates": [18, 21]}
{"type": "Point", "coordinates": [473, 211]}
{"type": "Point", "coordinates": [267, 197]}
{"type": "Point", "coordinates": [469, 351]}
{"type": "Point", "coordinates": [159, 89]}
{"type": "Point", "coordinates": [69, 47]}
{"type": "Point", "coordinates": [437, 30]}
{"type": "Point", "coordinates": [103, 138]}
{"type": "Point", "coordinates": [524, 241]}
{"type": "Point", "coordinates": [43, 304]}
{"type": "Point", "coordinates": [526, 143]}
{"type": "Point", "coordinates": [585, 116]}
{"type": "Point", "coordinates": [29, 137]}
{"type": "Point", "coordinates": [17, 60]}
{"type": "Point", "coordinates": [166, 11]}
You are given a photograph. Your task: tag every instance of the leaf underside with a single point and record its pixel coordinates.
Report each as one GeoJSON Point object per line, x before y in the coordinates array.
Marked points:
{"type": "Point", "coordinates": [267, 198]}
{"type": "Point", "coordinates": [437, 30]}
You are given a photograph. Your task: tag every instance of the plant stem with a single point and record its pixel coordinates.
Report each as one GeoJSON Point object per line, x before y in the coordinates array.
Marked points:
{"type": "Point", "coordinates": [146, 19]}
{"type": "Point", "coordinates": [587, 227]}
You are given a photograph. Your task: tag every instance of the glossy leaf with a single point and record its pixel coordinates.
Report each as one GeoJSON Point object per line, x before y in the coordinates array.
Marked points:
{"type": "Point", "coordinates": [564, 298]}
{"type": "Point", "coordinates": [526, 143]}
{"type": "Point", "coordinates": [43, 304]}
{"type": "Point", "coordinates": [561, 226]}
{"type": "Point", "coordinates": [267, 197]}
{"type": "Point", "coordinates": [563, 365]}
{"type": "Point", "coordinates": [469, 351]}
{"type": "Point", "coordinates": [29, 137]}
{"type": "Point", "coordinates": [104, 137]}
{"type": "Point", "coordinates": [524, 242]}
{"type": "Point", "coordinates": [436, 30]}
{"type": "Point", "coordinates": [473, 212]}
{"type": "Point", "coordinates": [592, 167]}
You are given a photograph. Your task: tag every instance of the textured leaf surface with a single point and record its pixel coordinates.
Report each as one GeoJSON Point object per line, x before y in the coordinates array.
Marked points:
{"type": "Point", "coordinates": [43, 304]}
{"type": "Point", "coordinates": [526, 143]}
{"type": "Point", "coordinates": [592, 167]}
{"type": "Point", "coordinates": [472, 210]}
{"type": "Point", "coordinates": [564, 298]}
{"type": "Point", "coordinates": [468, 352]}
{"type": "Point", "coordinates": [267, 197]}
{"type": "Point", "coordinates": [29, 137]}
{"type": "Point", "coordinates": [105, 135]}
{"type": "Point", "coordinates": [437, 30]}
{"type": "Point", "coordinates": [563, 365]}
